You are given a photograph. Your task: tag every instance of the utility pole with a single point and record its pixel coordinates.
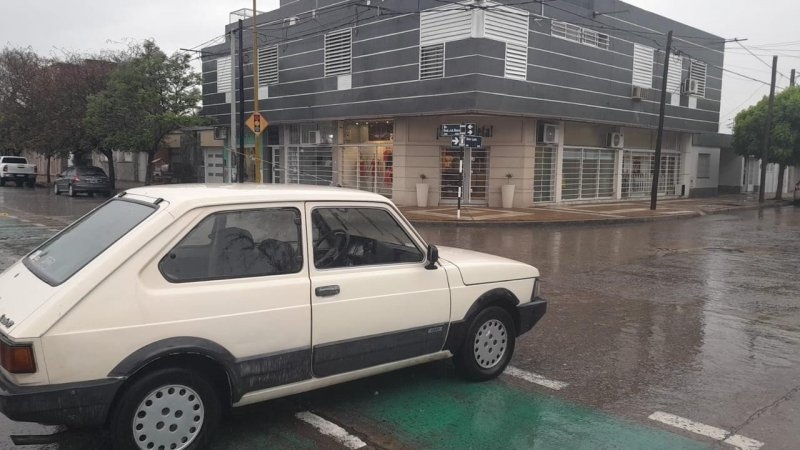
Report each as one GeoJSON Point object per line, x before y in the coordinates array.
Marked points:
{"type": "Point", "coordinates": [240, 168]}
{"type": "Point", "coordinates": [660, 135]}
{"type": "Point", "coordinates": [232, 138]}
{"type": "Point", "coordinates": [791, 79]}
{"type": "Point", "coordinates": [765, 149]}
{"type": "Point", "coordinates": [257, 145]}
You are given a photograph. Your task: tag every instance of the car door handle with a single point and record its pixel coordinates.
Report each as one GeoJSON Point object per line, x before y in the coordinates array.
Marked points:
{"type": "Point", "coordinates": [327, 291]}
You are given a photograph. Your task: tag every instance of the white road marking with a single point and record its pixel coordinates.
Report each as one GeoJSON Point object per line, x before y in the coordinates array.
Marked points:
{"type": "Point", "coordinates": [535, 378]}
{"type": "Point", "coordinates": [719, 434]}
{"type": "Point", "coordinates": [331, 429]}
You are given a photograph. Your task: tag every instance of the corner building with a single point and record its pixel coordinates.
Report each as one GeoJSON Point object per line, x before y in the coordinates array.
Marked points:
{"type": "Point", "coordinates": [565, 95]}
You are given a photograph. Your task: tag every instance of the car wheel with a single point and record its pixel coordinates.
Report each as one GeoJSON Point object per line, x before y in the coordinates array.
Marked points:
{"type": "Point", "coordinates": [488, 345]}
{"type": "Point", "coordinates": [55, 189]}
{"type": "Point", "coordinates": [169, 408]}
{"type": "Point", "coordinates": [2, 182]}
{"type": "Point", "coordinates": [71, 191]}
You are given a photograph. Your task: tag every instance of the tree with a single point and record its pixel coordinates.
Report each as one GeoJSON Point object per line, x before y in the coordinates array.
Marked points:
{"type": "Point", "coordinates": [148, 95]}
{"type": "Point", "coordinates": [18, 74]}
{"type": "Point", "coordinates": [66, 87]}
{"type": "Point", "coordinates": [784, 149]}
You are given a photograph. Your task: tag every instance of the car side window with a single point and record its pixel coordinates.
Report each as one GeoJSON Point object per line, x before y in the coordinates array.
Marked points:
{"type": "Point", "coordinates": [356, 236]}
{"type": "Point", "coordinates": [237, 244]}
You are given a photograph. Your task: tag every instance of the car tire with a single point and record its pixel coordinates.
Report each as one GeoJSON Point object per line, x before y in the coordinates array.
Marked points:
{"type": "Point", "coordinates": [171, 408]}
{"type": "Point", "coordinates": [2, 182]}
{"type": "Point", "coordinates": [56, 191]}
{"type": "Point", "coordinates": [71, 191]}
{"type": "Point", "coordinates": [488, 345]}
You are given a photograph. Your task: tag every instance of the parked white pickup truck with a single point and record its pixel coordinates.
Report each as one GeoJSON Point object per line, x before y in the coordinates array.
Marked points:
{"type": "Point", "coordinates": [17, 169]}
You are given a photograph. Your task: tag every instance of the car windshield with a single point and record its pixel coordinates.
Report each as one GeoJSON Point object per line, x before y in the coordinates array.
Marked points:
{"type": "Point", "coordinates": [15, 160]}
{"type": "Point", "coordinates": [96, 171]}
{"type": "Point", "coordinates": [59, 258]}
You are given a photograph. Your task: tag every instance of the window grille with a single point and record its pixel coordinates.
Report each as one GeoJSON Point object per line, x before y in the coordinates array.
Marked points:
{"type": "Point", "coordinates": [588, 173]}
{"type": "Point", "coordinates": [338, 52]}
{"type": "Point", "coordinates": [544, 174]}
{"type": "Point", "coordinates": [267, 66]}
{"type": "Point", "coordinates": [697, 72]}
{"type": "Point", "coordinates": [368, 168]}
{"type": "Point", "coordinates": [566, 30]}
{"type": "Point", "coordinates": [643, 58]}
{"type": "Point", "coordinates": [431, 61]}
{"type": "Point", "coordinates": [224, 74]}
{"type": "Point", "coordinates": [309, 165]}
{"type": "Point", "coordinates": [595, 39]}
{"type": "Point", "coordinates": [637, 173]}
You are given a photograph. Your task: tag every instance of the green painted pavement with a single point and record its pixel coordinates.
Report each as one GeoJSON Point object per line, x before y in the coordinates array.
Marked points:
{"type": "Point", "coordinates": [445, 412]}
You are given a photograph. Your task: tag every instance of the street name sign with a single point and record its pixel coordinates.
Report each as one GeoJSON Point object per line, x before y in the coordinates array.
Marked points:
{"type": "Point", "coordinates": [473, 141]}
{"type": "Point", "coordinates": [451, 129]}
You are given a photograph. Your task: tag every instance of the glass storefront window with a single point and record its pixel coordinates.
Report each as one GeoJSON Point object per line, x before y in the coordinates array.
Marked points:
{"type": "Point", "coordinates": [368, 131]}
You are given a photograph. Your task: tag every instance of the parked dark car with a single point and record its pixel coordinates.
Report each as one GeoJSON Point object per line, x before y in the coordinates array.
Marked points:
{"type": "Point", "coordinates": [87, 179]}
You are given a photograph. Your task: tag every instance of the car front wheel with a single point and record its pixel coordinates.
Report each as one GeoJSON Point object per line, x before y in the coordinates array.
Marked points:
{"type": "Point", "coordinates": [169, 408]}
{"type": "Point", "coordinates": [488, 345]}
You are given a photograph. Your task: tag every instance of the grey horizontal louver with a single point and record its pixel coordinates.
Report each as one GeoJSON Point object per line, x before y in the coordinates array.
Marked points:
{"type": "Point", "coordinates": [516, 61]}
{"type": "Point", "coordinates": [267, 66]}
{"type": "Point", "coordinates": [444, 24]}
{"type": "Point", "coordinates": [643, 58]}
{"type": "Point", "coordinates": [674, 72]}
{"type": "Point", "coordinates": [338, 52]}
{"type": "Point", "coordinates": [697, 72]}
{"type": "Point", "coordinates": [224, 74]}
{"type": "Point", "coordinates": [431, 61]}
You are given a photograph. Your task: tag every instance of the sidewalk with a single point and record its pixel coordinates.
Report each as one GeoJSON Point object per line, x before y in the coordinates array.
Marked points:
{"type": "Point", "coordinates": [594, 213]}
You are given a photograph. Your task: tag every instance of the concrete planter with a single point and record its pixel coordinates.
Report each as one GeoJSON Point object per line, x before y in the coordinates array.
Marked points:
{"type": "Point", "coordinates": [507, 193]}
{"type": "Point", "coordinates": [422, 195]}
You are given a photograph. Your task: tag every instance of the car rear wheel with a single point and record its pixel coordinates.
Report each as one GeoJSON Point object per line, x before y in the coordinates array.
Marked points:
{"type": "Point", "coordinates": [488, 345]}
{"type": "Point", "coordinates": [170, 408]}
{"type": "Point", "coordinates": [55, 189]}
{"type": "Point", "coordinates": [2, 182]}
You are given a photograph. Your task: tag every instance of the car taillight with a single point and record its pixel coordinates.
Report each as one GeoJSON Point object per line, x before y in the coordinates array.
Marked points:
{"type": "Point", "coordinates": [76, 178]}
{"type": "Point", "coordinates": [17, 358]}
{"type": "Point", "coordinates": [5, 168]}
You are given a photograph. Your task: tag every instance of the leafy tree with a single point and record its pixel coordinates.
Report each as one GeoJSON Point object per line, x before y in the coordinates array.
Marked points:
{"type": "Point", "coordinates": [148, 95]}
{"type": "Point", "coordinates": [784, 149]}
{"type": "Point", "coordinates": [19, 130]}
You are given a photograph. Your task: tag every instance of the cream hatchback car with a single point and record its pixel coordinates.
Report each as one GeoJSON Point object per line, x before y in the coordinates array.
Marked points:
{"type": "Point", "coordinates": [165, 305]}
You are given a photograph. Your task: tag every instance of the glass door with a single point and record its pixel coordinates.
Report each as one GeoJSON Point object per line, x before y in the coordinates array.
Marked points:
{"type": "Point", "coordinates": [476, 175]}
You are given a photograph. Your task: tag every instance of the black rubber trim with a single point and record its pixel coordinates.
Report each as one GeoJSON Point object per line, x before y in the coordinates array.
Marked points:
{"type": "Point", "coordinates": [78, 405]}
{"type": "Point", "coordinates": [360, 353]}
{"type": "Point", "coordinates": [529, 314]}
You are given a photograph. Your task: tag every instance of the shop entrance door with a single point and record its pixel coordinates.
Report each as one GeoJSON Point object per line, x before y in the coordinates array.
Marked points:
{"type": "Point", "coordinates": [476, 175]}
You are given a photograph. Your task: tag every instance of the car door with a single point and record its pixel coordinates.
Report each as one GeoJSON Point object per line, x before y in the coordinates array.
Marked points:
{"type": "Point", "coordinates": [373, 301]}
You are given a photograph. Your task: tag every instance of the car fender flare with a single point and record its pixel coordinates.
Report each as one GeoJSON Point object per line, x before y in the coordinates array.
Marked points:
{"type": "Point", "coordinates": [498, 296]}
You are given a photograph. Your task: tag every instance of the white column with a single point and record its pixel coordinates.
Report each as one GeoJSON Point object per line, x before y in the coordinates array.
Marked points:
{"type": "Point", "coordinates": [618, 174]}
{"type": "Point", "coordinates": [559, 161]}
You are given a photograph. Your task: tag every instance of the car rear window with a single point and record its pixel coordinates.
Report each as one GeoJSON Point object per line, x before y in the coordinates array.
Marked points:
{"type": "Point", "coordinates": [15, 160]}
{"type": "Point", "coordinates": [55, 261]}
{"type": "Point", "coordinates": [91, 171]}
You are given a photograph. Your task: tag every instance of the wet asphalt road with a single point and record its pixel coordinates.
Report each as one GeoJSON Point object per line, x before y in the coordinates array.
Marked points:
{"type": "Point", "coordinates": [699, 318]}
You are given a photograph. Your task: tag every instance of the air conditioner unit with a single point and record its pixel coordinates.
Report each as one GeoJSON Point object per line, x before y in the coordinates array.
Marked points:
{"type": "Point", "coordinates": [314, 137]}
{"type": "Point", "coordinates": [220, 133]}
{"type": "Point", "coordinates": [615, 140]}
{"type": "Point", "coordinates": [638, 93]}
{"type": "Point", "coordinates": [549, 133]}
{"type": "Point", "coordinates": [690, 86]}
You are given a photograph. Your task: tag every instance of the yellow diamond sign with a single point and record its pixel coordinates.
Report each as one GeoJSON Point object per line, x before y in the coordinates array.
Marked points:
{"type": "Point", "coordinates": [257, 123]}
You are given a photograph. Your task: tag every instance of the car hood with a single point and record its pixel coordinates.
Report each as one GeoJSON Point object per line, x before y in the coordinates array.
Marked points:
{"type": "Point", "coordinates": [21, 293]}
{"type": "Point", "coordinates": [479, 268]}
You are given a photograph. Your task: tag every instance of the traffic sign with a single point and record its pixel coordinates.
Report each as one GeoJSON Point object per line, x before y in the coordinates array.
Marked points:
{"type": "Point", "coordinates": [455, 141]}
{"type": "Point", "coordinates": [473, 141]}
{"type": "Point", "coordinates": [469, 129]}
{"type": "Point", "coordinates": [257, 123]}
{"type": "Point", "coordinates": [451, 129]}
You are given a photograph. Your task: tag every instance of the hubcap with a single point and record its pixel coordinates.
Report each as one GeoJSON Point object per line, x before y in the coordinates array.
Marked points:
{"type": "Point", "coordinates": [169, 418]}
{"type": "Point", "coordinates": [490, 343]}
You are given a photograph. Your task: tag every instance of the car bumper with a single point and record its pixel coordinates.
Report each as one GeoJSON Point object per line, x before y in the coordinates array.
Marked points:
{"type": "Point", "coordinates": [18, 176]}
{"type": "Point", "coordinates": [91, 187]}
{"type": "Point", "coordinates": [530, 313]}
{"type": "Point", "coordinates": [79, 405]}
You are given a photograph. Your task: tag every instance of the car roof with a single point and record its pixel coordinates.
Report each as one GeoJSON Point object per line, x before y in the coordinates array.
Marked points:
{"type": "Point", "coordinates": [197, 195]}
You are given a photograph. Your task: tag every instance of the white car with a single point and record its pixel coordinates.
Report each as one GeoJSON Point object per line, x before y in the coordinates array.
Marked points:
{"type": "Point", "coordinates": [165, 305]}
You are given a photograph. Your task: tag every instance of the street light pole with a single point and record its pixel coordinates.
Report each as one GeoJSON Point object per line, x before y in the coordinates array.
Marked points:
{"type": "Point", "coordinates": [660, 135]}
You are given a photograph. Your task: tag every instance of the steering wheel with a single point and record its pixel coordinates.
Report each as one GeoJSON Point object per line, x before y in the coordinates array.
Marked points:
{"type": "Point", "coordinates": [338, 239]}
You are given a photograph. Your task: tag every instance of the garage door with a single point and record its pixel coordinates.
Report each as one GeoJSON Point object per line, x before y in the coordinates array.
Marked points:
{"type": "Point", "coordinates": [214, 164]}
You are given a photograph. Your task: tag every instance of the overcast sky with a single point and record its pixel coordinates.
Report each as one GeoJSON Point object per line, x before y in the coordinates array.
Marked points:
{"type": "Point", "coordinates": [50, 26]}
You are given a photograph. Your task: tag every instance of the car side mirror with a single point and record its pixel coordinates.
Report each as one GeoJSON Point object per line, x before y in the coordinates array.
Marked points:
{"type": "Point", "coordinates": [431, 256]}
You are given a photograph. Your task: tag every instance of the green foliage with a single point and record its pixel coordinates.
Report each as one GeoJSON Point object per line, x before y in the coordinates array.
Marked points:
{"type": "Point", "coordinates": [18, 100]}
{"type": "Point", "coordinates": [748, 129]}
{"type": "Point", "coordinates": [148, 95]}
